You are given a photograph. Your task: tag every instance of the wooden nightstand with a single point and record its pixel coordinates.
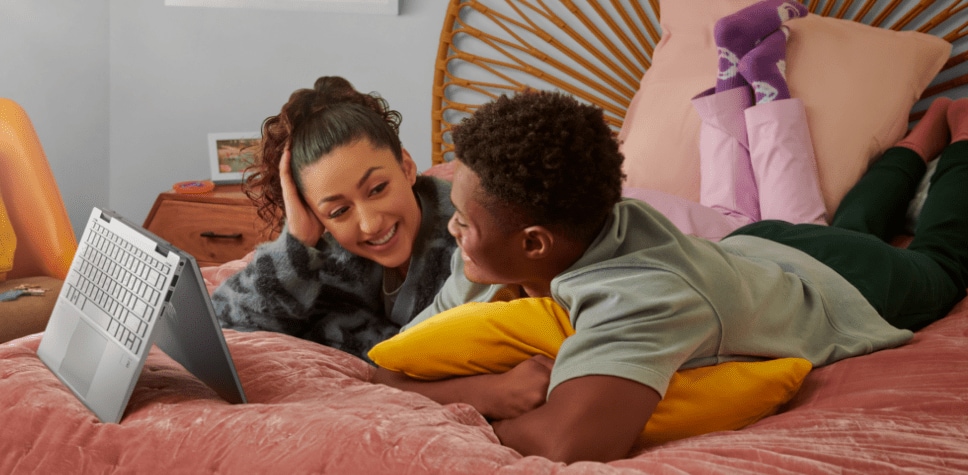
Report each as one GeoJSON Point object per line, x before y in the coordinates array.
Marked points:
{"type": "Point", "coordinates": [215, 227]}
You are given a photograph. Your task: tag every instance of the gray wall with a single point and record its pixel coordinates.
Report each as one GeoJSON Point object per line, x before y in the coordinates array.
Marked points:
{"type": "Point", "coordinates": [54, 63]}
{"type": "Point", "coordinates": [124, 92]}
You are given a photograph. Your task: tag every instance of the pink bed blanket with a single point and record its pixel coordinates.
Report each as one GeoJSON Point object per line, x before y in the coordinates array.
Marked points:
{"type": "Point", "coordinates": [312, 409]}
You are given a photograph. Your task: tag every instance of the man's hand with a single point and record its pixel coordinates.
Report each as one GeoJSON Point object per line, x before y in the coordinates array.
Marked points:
{"type": "Point", "coordinates": [495, 396]}
{"type": "Point", "coordinates": [587, 418]}
{"type": "Point", "coordinates": [300, 219]}
{"type": "Point", "coordinates": [522, 389]}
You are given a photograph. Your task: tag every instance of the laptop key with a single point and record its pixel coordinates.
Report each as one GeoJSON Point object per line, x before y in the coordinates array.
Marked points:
{"type": "Point", "coordinates": [97, 314]}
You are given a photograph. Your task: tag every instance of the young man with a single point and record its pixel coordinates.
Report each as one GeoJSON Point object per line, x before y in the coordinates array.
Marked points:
{"type": "Point", "coordinates": [539, 213]}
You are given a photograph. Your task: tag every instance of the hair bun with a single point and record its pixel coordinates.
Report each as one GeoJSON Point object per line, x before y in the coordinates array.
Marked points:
{"type": "Point", "coordinates": [335, 89]}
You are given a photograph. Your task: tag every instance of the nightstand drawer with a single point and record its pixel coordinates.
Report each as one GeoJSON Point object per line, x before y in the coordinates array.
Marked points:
{"type": "Point", "coordinates": [214, 230]}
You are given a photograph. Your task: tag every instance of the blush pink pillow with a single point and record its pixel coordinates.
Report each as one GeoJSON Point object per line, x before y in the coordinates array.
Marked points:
{"type": "Point", "coordinates": [444, 171]}
{"type": "Point", "coordinates": [858, 84]}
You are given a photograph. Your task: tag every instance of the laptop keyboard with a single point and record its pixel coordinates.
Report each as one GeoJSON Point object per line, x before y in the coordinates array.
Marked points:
{"type": "Point", "coordinates": [117, 285]}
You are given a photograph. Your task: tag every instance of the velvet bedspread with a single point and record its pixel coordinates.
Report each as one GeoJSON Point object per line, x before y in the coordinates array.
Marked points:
{"type": "Point", "coordinates": [312, 409]}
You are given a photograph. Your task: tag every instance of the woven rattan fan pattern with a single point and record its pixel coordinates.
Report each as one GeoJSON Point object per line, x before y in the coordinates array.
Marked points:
{"type": "Point", "coordinates": [598, 50]}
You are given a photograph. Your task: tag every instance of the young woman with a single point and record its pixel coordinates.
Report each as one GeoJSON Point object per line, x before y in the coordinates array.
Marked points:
{"type": "Point", "coordinates": [364, 243]}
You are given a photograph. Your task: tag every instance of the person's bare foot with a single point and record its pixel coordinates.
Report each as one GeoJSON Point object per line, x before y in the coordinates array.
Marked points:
{"type": "Point", "coordinates": [931, 134]}
{"type": "Point", "coordinates": [958, 119]}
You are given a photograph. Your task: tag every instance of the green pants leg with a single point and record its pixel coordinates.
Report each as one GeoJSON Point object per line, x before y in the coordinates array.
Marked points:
{"type": "Point", "coordinates": [909, 287]}
{"type": "Point", "coordinates": [878, 203]}
{"type": "Point", "coordinates": [942, 228]}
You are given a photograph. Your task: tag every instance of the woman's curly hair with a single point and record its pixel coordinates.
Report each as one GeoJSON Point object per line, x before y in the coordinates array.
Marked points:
{"type": "Point", "coordinates": [312, 123]}
{"type": "Point", "coordinates": [543, 158]}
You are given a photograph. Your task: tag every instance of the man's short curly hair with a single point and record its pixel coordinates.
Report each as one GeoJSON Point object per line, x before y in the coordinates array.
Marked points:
{"type": "Point", "coordinates": [543, 158]}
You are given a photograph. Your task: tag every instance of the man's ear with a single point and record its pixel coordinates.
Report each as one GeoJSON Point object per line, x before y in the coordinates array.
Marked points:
{"type": "Point", "coordinates": [538, 242]}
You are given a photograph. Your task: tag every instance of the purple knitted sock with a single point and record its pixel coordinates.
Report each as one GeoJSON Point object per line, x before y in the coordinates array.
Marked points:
{"type": "Point", "coordinates": [764, 68]}
{"type": "Point", "coordinates": [738, 33]}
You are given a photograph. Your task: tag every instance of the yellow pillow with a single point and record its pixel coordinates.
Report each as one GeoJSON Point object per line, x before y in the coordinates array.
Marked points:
{"type": "Point", "coordinates": [727, 396]}
{"type": "Point", "coordinates": [8, 242]}
{"type": "Point", "coordinates": [477, 338]}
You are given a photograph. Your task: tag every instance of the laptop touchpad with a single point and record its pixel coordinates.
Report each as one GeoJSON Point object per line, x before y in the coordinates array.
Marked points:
{"type": "Point", "coordinates": [82, 357]}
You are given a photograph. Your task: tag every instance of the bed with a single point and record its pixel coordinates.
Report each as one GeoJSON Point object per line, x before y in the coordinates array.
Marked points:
{"type": "Point", "coordinates": [312, 409]}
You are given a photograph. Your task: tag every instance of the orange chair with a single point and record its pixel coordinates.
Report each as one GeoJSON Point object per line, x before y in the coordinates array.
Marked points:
{"type": "Point", "coordinates": [8, 242]}
{"type": "Point", "coordinates": [35, 229]}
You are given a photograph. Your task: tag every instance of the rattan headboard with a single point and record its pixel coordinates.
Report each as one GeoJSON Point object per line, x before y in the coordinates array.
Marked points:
{"type": "Point", "coordinates": [598, 50]}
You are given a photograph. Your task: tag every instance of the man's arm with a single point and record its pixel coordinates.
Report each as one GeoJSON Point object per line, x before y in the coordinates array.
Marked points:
{"type": "Point", "coordinates": [496, 396]}
{"type": "Point", "coordinates": [587, 418]}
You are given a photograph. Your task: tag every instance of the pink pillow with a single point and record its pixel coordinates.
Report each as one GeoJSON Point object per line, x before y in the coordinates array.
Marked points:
{"type": "Point", "coordinates": [444, 171]}
{"type": "Point", "coordinates": [858, 84]}
{"type": "Point", "coordinates": [215, 275]}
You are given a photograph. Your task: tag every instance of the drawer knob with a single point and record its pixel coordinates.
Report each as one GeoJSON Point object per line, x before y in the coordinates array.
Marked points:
{"type": "Point", "coordinates": [214, 235]}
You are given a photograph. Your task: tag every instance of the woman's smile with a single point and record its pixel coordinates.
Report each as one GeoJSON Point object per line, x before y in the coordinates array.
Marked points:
{"type": "Point", "coordinates": [385, 239]}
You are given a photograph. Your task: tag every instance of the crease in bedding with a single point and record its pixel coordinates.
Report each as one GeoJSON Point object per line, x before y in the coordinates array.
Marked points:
{"type": "Point", "coordinates": [313, 410]}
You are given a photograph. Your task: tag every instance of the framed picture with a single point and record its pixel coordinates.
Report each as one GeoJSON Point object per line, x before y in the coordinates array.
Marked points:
{"type": "Point", "coordinates": [230, 153]}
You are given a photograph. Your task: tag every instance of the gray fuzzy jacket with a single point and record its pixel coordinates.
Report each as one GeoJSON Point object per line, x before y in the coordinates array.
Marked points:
{"type": "Point", "coordinates": [328, 295]}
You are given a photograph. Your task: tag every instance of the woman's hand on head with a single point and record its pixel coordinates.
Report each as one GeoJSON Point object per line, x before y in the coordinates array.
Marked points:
{"type": "Point", "coordinates": [300, 219]}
